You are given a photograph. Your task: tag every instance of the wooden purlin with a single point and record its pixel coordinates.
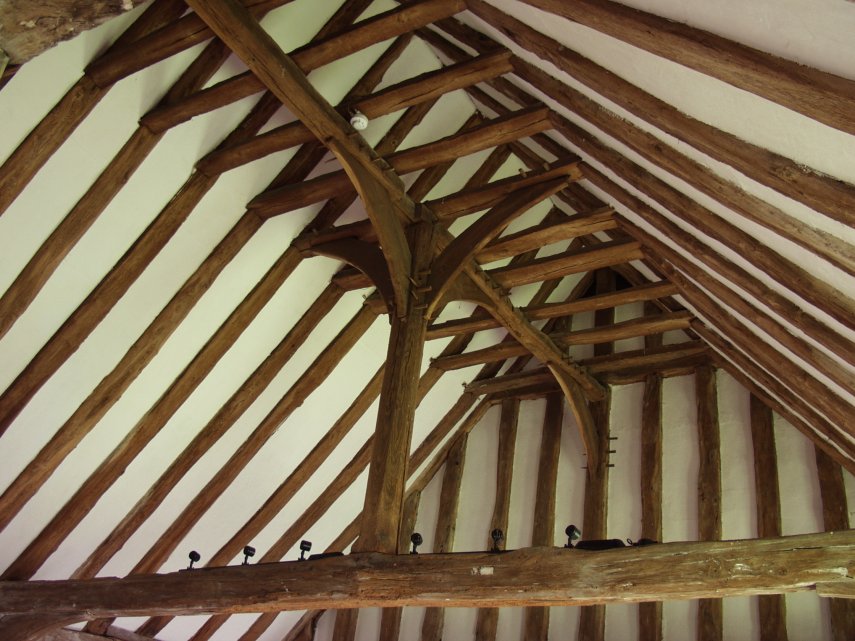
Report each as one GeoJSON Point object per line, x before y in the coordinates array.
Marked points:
{"type": "Point", "coordinates": [477, 138]}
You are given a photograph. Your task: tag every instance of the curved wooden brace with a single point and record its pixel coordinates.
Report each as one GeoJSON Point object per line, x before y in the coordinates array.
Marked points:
{"type": "Point", "coordinates": [480, 233]}
{"type": "Point", "coordinates": [582, 412]}
{"type": "Point", "coordinates": [24, 627]}
{"type": "Point", "coordinates": [366, 257]}
{"type": "Point", "coordinates": [380, 207]}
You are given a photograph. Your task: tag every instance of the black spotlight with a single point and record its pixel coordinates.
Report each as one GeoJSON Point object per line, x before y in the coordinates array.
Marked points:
{"type": "Point", "coordinates": [248, 551]}
{"type": "Point", "coordinates": [305, 546]}
{"type": "Point", "coordinates": [416, 540]}
{"type": "Point", "coordinates": [194, 557]}
{"type": "Point", "coordinates": [498, 536]}
{"type": "Point", "coordinates": [573, 533]}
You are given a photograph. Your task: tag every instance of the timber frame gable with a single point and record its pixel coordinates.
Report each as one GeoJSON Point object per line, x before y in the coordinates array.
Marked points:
{"type": "Point", "coordinates": [194, 350]}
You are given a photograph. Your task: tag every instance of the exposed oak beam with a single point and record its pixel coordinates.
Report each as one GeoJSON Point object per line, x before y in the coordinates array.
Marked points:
{"type": "Point", "coordinates": [772, 607]}
{"type": "Point", "coordinates": [536, 625]}
{"type": "Point", "coordinates": [650, 614]}
{"type": "Point", "coordinates": [488, 618]}
{"type": "Point", "coordinates": [816, 94]}
{"type": "Point", "coordinates": [489, 134]}
{"type": "Point", "coordinates": [710, 611]}
{"type": "Point", "coordinates": [488, 194]}
{"type": "Point", "coordinates": [536, 576]}
{"type": "Point", "coordinates": [424, 88]}
{"type": "Point", "coordinates": [55, 128]}
{"type": "Point", "coordinates": [481, 320]}
{"type": "Point", "coordinates": [548, 233]}
{"type": "Point", "coordinates": [818, 191]}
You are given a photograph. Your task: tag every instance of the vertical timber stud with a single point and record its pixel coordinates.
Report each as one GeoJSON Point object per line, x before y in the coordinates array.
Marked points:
{"type": "Point", "coordinates": [835, 516]}
{"type": "Point", "coordinates": [772, 606]}
{"type": "Point", "coordinates": [543, 534]}
{"type": "Point", "coordinates": [488, 618]}
{"type": "Point", "coordinates": [592, 621]}
{"type": "Point", "coordinates": [384, 495]}
{"type": "Point", "coordinates": [650, 613]}
{"type": "Point", "coordinates": [390, 621]}
{"type": "Point", "coordinates": [709, 490]}
{"type": "Point", "coordinates": [446, 524]}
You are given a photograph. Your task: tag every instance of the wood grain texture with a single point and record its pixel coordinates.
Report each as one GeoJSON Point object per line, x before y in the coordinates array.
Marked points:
{"type": "Point", "coordinates": [795, 277]}
{"type": "Point", "coordinates": [536, 625]}
{"type": "Point", "coordinates": [446, 525]}
{"type": "Point", "coordinates": [592, 620]}
{"type": "Point", "coordinates": [650, 614]}
{"type": "Point", "coordinates": [819, 95]}
{"type": "Point", "coordinates": [792, 179]}
{"type": "Point", "coordinates": [797, 379]}
{"type": "Point", "coordinates": [773, 619]}
{"type": "Point", "coordinates": [668, 570]}
{"type": "Point", "coordinates": [481, 320]}
{"type": "Point", "coordinates": [481, 194]}
{"type": "Point", "coordinates": [710, 611]}
{"type": "Point", "coordinates": [488, 618]}
{"type": "Point", "coordinates": [55, 128]}
{"type": "Point", "coordinates": [835, 516]}
{"type": "Point", "coordinates": [565, 263]}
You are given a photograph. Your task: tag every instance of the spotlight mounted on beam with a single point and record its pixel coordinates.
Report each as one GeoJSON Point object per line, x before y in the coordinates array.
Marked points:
{"type": "Point", "coordinates": [573, 534]}
{"type": "Point", "coordinates": [194, 558]}
{"type": "Point", "coordinates": [305, 546]}
{"type": "Point", "coordinates": [248, 551]}
{"type": "Point", "coordinates": [416, 540]}
{"type": "Point", "coordinates": [498, 536]}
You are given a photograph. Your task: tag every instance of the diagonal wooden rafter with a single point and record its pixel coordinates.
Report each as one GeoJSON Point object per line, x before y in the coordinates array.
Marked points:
{"type": "Point", "coordinates": [816, 94]}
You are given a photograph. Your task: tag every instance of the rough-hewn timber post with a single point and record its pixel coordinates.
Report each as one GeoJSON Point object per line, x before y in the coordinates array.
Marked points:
{"type": "Point", "coordinates": [388, 472]}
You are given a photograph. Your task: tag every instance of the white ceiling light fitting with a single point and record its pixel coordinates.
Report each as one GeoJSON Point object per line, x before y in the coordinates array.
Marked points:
{"type": "Point", "coordinates": [359, 120]}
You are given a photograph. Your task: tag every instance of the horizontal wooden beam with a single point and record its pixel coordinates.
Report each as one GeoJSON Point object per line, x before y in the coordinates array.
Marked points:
{"type": "Point", "coordinates": [490, 194]}
{"type": "Point", "coordinates": [490, 134]}
{"type": "Point", "coordinates": [569, 262]}
{"type": "Point", "coordinates": [418, 90]}
{"type": "Point", "coordinates": [534, 576]}
{"type": "Point", "coordinates": [548, 233]}
{"type": "Point", "coordinates": [481, 320]}
{"type": "Point", "coordinates": [618, 331]}
{"type": "Point", "coordinates": [617, 366]}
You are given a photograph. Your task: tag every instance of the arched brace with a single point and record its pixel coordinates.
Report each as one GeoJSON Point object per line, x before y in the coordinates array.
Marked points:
{"type": "Point", "coordinates": [452, 260]}
{"type": "Point", "coordinates": [582, 411]}
{"type": "Point", "coordinates": [461, 288]}
{"type": "Point", "coordinates": [27, 627]}
{"type": "Point", "coordinates": [366, 257]}
{"type": "Point", "coordinates": [385, 214]}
